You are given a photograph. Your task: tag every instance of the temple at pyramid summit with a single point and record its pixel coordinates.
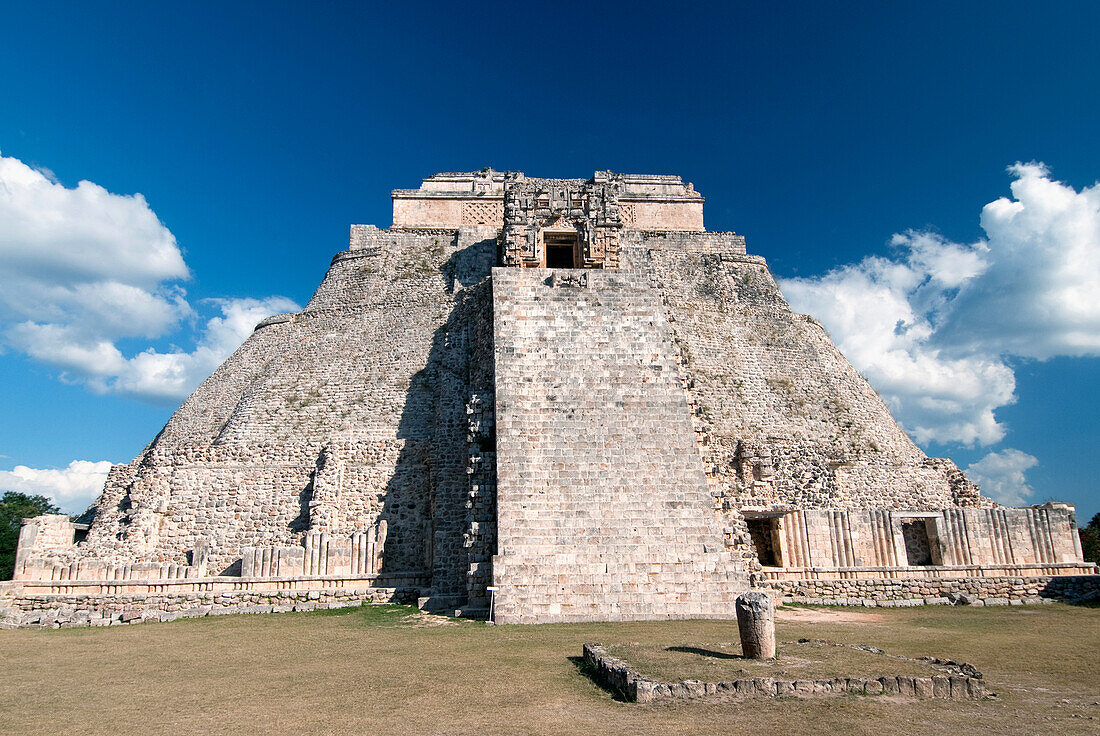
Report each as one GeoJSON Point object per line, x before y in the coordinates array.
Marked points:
{"type": "Point", "coordinates": [537, 400]}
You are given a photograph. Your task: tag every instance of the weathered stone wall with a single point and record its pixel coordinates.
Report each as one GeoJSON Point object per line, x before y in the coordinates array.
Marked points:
{"type": "Point", "coordinates": [41, 535]}
{"type": "Point", "coordinates": [48, 531]}
{"type": "Point", "coordinates": [113, 609]}
{"type": "Point", "coordinates": [974, 589]}
{"type": "Point", "coordinates": [586, 210]}
{"type": "Point", "coordinates": [642, 240]}
{"type": "Point", "coordinates": [784, 420]}
{"type": "Point", "coordinates": [602, 504]}
{"type": "Point", "coordinates": [452, 200]}
{"type": "Point", "coordinates": [435, 211]}
{"type": "Point", "coordinates": [670, 215]}
{"type": "Point", "coordinates": [351, 413]}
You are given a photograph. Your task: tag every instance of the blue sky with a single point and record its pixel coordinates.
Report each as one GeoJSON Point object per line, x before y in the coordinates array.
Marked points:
{"type": "Point", "coordinates": [857, 146]}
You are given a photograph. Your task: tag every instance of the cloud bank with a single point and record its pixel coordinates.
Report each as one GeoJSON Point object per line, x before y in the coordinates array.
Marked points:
{"type": "Point", "coordinates": [72, 488]}
{"type": "Point", "coordinates": [934, 327]}
{"type": "Point", "coordinates": [1001, 476]}
{"type": "Point", "coordinates": [83, 269]}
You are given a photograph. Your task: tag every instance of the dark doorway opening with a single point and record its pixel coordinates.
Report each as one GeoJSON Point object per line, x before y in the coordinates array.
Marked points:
{"type": "Point", "coordinates": [918, 547]}
{"type": "Point", "coordinates": [560, 250]}
{"type": "Point", "coordinates": [762, 533]}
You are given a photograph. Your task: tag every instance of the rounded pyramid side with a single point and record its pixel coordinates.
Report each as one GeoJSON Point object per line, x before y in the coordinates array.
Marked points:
{"type": "Point", "coordinates": [325, 420]}
{"type": "Point", "coordinates": [784, 419]}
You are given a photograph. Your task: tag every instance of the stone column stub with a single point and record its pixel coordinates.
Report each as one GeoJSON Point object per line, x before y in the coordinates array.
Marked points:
{"type": "Point", "coordinates": [756, 625]}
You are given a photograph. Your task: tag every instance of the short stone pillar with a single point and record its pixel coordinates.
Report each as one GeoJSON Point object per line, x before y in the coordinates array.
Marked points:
{"type": "Point", "coordinates": [756, 624]}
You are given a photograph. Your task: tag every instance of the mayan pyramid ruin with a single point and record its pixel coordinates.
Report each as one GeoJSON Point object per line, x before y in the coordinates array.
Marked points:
{"type": "Point", "coordinates": [558, 399]}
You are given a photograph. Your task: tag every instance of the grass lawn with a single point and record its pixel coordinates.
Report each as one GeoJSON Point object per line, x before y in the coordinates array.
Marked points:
{"type": "Point", "coordinates": [381, 670]}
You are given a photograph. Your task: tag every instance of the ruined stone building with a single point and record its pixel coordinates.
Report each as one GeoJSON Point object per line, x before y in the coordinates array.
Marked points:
{"type": "Point", "coordinates": [561, 397]}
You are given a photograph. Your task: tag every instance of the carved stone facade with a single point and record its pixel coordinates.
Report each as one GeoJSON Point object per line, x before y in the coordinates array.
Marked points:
{"type": "Point", "coordinates": [563, 392]}
{"type": "Point", "coordinates": [578, 214]}
{"type": "Point", "coordinates": [482, 213]}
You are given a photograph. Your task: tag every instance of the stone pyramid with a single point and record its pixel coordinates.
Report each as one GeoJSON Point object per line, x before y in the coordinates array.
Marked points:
{"type": "Point", "coordinates": [561, 395]}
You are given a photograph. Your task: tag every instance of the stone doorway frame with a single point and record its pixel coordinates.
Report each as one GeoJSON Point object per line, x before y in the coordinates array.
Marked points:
{"type": "Point", "coordinates": [561, 235]}
{"type": "Point", "coordinates": [768, 525]}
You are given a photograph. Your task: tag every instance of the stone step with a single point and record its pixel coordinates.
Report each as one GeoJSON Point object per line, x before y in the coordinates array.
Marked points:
{"type": "Point", "coordinates": [604, 496]}
{"type": "Point", "coordinates": [438, 603]}
{"type": "Point", "coordinates": [479, 613]}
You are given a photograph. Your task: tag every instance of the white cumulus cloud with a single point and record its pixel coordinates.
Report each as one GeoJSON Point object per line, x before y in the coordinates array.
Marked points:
{"type": "Point", "coordinates": [72, 488]}
{"type": "Point", "coordinates": [1002, 476]}
{"type": "Point", "coordinates": [933, 328]}
{"type": "Point", "coordinates": [84, 235]}
{"type": "Point", "coordinates": [1040, 294]}
{"type": "Point", "coordinates": [82, 268]}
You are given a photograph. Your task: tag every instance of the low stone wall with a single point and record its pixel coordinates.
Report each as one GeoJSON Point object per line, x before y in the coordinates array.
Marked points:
{"type": "Point", "coordinates": [27, 608]}
{"type": "Point", "coordinates": [633, 686]}
{"type": "Point", "coordinates": [899, 592]}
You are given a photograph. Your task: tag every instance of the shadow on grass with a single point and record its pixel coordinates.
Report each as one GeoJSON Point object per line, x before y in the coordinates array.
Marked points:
{"type": "Point", "coordinates": [704, 652]}
{"type": "Point", "coordinates": [587, 670]}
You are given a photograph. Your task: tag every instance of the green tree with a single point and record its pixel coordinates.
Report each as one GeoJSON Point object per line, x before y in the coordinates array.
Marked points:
{"type": "Point", "coordinates": [1090, 540]}
{"type": "Point", "coordinates": [14, 507]}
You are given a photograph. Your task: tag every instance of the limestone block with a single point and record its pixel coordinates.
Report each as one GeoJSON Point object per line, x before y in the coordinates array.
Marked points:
{"type": "Point", "coordinates": [645, 691]}
{"type": "Point", "coordinates": [958, 686]}
{"type": "Point", "coordinates": [339, 561]}
{"type": "Point", "coordinates": [922, 687]}
{"type": "Point", "coordinates": [35, 568]}
{"type": "Point", "coordinates": [91, 569]}
{"type": "Point", "coordinates": [249, 567]}
{"type": "Point", "coordinates": [975, 688]}
{"type": "Point", "coordinates": [145, 570]}
{"type": "Point", "coordinates": [694, 688]}
{"type": "Point", "coordinates": [291, 561]}
{"type": "Point", "coordinates": [941, 687]}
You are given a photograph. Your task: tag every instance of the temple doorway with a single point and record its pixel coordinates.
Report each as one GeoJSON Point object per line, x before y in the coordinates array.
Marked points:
{"type": "Point", "coordinates": [561, 249]}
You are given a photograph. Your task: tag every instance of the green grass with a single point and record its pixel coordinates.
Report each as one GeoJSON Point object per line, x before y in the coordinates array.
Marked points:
{"type": "Point", "coordinates": [385, 615]}
{"type": "Point", "coordinates": [385, 670]}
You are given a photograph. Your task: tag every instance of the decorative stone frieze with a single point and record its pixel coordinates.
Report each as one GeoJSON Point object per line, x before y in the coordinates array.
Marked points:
{"type": "Point", "coordinates": [583, 212]}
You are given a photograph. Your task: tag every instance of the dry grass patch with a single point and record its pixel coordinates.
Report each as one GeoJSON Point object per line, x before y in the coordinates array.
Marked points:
{"type": "Point", "coordinates": [723, 662]}
{"type": "Point", "coordinates": [379, 670]}
{"type": "Point", "coordinates": [812, 614]}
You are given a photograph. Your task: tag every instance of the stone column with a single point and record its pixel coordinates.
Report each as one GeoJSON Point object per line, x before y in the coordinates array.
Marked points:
{"type": "Point", "coordinates": [756, 624]}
